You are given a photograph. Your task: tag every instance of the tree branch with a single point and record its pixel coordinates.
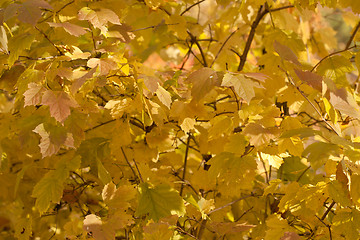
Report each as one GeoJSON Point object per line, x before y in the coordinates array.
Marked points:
{"type": "Point", "coordinates": [261, 13]}
{"type": "Point", "coordinates": [194, 40]}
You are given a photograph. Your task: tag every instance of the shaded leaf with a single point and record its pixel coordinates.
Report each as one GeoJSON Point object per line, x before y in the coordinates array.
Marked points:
{"type": "Point", "coordinates": [203, 81]}
{"type": "Point", "coordinates": [159, 201]}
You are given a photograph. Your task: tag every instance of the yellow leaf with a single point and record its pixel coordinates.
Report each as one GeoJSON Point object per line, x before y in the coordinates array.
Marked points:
{"type": "Point", "coordinates": [188, 124]}
{"type": "Point", "coordinates": [273, 160]}
{"type": "Point", "coordinates": [203, 81]}
{"type": "Point", "coordinates": [244, 87]}
{"type": "Point", "coordinates": [164, 96]}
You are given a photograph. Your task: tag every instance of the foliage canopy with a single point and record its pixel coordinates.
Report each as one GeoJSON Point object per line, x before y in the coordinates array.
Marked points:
{"type": "Point", "coordinates": [166, 119]}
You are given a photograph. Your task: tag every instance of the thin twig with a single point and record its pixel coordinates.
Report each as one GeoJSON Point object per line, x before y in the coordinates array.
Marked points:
{"type": "Point", "coordinates": [222, 46]}
{"type": "Point", "coordinates": [99, 125]}
{"type": "Point", "coordinates": [312, 105]}
{"type": "Point", "coordinates": [233, 202]}
{"type": "Point", "coordinates": [193, 39]}
{"type": "Point", "coordinates": [185, 164]}
{"type": "Point", "coordinates": [127, 161]}
{"type": "Point", "coordinates": [352, 35]}
{"type": "Point", "coordinates": [52, 43]}
{"type": "Point", "coordinates": [331, 54]}
{"type": "Point", "coordinates": [62, 8]}
{"type": "Point", "coordinates": [191, 6]}
{"type": "Point", "coordinates": [326, 225]}
{"type": "Point", "coordinates": [155, 26]}
{"type": "Point", "coordinates": [327, 211]}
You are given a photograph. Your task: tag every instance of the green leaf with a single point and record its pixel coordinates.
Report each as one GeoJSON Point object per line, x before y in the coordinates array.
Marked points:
{"type": "Point", "coordinates": [159, 201]}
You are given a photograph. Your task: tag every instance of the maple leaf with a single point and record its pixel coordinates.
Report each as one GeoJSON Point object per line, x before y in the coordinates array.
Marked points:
{"type": "Point", "coordinates": [30, 12]}
{"type": "Point", "coordinates": [313, 79]}
{"type": "Point", "coordinates": [203, 81]}
{"type": "Point", "coordinates": [160, 201]}
{"type": "Point", "coordinates": [99, 18]}
{"type": "Point", "coordinates": [33, 94]}
{"type": "Point", "coordinates": [164, 96]}
{"type": "Point", "coordinates": [53, 139]}
{"type": "Point", "coordinates": [50, 188]}
{"type": "Point", "coordinates": [105, 65]}
{"type": "Point", "coordinates": [70, 28]}
{"type": "Point", "coordinates": [243, 86]}
{"type": "Point", "coordinates": [286, 53]}
{"type": "Point", "coordinates": [59, 103]}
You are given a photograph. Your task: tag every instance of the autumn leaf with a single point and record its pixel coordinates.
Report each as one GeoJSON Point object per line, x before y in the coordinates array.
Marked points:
{"type": "Point", "coordinates": [69, 28]}
{"type": "Point", "coordinates": [159, 201]}
{"type": "Point", "coordinates": [286, 53]}
{"type": "Point", "coordinates": [243, 86]}
{"type": "Point", "coordinates": [59, 103]}
{"type": "Point", "coordinates": [3, 40]}
{"type": "Point", "coordinates": [30, 12]}
{"type": "Point", "coordinates": [33, 94]}
{"type": "Point", "coordinates": [105, 65]}
{"type": "Point", "coordinates": [203, 81]}
{"type": "Point", "coordinates": [164, 96]}
{"type": "Point", "coordinates": [52, 139]}
{"type": "Point", "coordinates": [50, 188]}
{"type": "Point", "coordinates": [100, 18]}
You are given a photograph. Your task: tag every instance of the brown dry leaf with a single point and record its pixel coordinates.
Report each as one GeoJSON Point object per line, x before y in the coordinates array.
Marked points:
{"type": "Point", "coordinates": [33, 94]}
{"type": "Point", "coordinates": [59, 103]}
{"type": "Point", "coordinates": [70, 28]}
